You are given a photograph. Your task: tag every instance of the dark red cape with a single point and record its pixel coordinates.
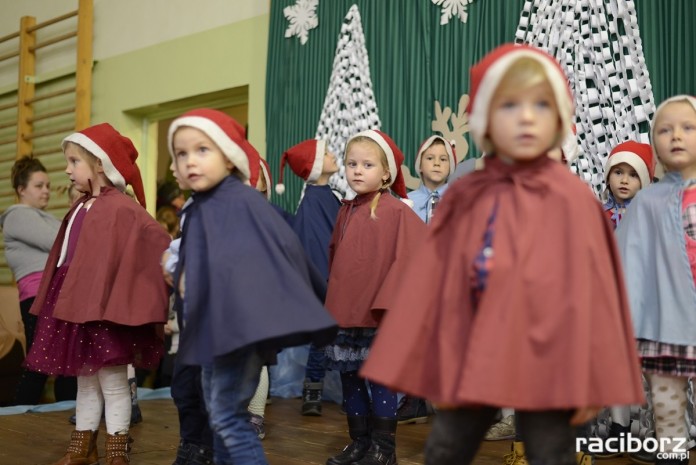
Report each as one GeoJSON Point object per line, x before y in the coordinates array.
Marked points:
{"type": "Point", "coordinates": [115, 274]}
{"type": "Point", "coordinates": [367, 256]}
{"type": "Point", "coordinates": [552, 330]}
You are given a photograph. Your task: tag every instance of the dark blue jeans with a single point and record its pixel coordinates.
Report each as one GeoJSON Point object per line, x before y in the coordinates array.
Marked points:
{"type": "Point", "coordinates": [187, 393]}
{"type": "Point", "coordinates": [228, 386]}
{"type": "Point", "coordinates": [548, 437]}
{"type": "Point", "coordinates": [316, 364]}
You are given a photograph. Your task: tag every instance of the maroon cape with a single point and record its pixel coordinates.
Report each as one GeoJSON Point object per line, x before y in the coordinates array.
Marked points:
{"type": "Point", "coordinates": [366, 257]}
{"type": "Point", "coordinates": [552, 329]}
{"type": "Point", "coordinates": [115, 274]}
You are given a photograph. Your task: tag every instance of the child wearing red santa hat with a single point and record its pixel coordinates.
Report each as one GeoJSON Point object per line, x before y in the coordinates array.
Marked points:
{"type": "Point", "coordinates": [313, 223]}
{"type": "Point", "coordinates": [374, 237]}
{"type": "Point", "coordinates": [517, 284]}
{"type": "Point", "coordinates": [248, 290]}
{"type": "Point", "coordinates": [102, 297]}
{"type": "Point", "coordinates": [629, 168]}
{"type": "Point", "coordinates": [658, 249]}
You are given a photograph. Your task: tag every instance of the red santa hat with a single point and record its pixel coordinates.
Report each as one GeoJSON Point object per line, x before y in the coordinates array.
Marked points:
{"type": "Point", "coordinates": [117, 154]}
{"type": "Point", "coordinates": [485, 76]}
{"type": "Point", "coordinates": [222, 129]}
{"type": "Point", "coordinates": [266, 170]}
{"type": "Point", "coordinates": [448, 148]}
{"type": "Point", "coordinates": [638, 156]}
{"type": "Point", "coordinates": [395, 158]}
{"type": "Point", "coordinates": [306, 160]}
{"type": "Point", "coordinates": [677, 98]}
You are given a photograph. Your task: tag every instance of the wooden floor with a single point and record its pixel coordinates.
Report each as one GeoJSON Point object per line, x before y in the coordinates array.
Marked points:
{"type": "Point", "coordinates": [41, 438]}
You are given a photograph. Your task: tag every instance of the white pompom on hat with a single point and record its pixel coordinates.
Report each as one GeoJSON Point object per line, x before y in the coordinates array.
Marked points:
{"type": "Point", "coordinates": [448, 148]}
{"type": "Point", "coordinates": [486, 75]}
{"type": "Point", "coordinates": [306, 160]}
{"type": "Point", "coordinates": [222, 129]}
{"type": "Point", "coordinates": [117, 154]}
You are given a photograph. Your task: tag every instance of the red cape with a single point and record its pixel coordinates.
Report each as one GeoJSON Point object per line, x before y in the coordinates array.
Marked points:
{"type": "Point", "coordinates": [552, 329]}
{"type": "Point", "coordinates": [367, 256]}
{"type": "Point", "coordinates": [115, 274]}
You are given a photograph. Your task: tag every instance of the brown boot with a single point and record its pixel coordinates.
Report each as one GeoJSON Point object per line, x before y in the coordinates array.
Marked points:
{"type": "Point", "coordinates": [117, 448]}
{"type": "Point", "coordinates": [82, 449]}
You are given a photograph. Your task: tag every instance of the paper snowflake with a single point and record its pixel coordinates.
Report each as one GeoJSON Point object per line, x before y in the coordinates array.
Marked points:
{"type": "Point", "coordinates": [452, 8]}
{"type": "Point", "coordinates": [302, 17]}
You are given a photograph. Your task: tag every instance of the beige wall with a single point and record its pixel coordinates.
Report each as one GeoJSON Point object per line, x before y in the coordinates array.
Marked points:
{"type": "Point", "coordinates": [149, 55]}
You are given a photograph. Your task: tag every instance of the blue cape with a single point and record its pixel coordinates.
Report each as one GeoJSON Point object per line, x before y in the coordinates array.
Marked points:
{"type": "Point", "coordinates": [247, 278]}
{"type": "Point", "coordinates": [314, 223]}
{"type": "Point", "coordinates": [656, 267]}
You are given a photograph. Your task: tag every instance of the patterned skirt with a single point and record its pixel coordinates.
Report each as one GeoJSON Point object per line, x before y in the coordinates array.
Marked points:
{"type": "Point", "coordinates": [667, 359]}
{"type": "Point", "coordinates": [81, 349]}
{"type": "Point", "coordinates": [350, 349]}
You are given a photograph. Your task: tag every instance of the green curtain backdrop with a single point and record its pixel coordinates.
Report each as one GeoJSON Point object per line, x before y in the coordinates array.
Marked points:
{"type": "Point", "coordinates": [415, 61]}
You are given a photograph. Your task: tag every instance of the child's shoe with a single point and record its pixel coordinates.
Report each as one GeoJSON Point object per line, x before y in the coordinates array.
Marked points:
{"type": "Point", "coordinates": [642, 457]}
{"type": "Point", "coordinates": [412, 410]}
{"type": "Point", "coordinates": [311, 398]}
{"type": "Point", "coordinates": [516, 456]}
{"type": "Point", "coordinates": [583, 458]}
{"type": "Point", "coordinates": [257, 423]}
{"type": "Point", "coordinates": [504, 429]}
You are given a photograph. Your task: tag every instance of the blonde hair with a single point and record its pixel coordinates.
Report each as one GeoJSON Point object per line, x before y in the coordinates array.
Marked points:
{"type": "Point", "coordinates": [385, 165]}
{"type": "Point", "coordinates": [521, 75]}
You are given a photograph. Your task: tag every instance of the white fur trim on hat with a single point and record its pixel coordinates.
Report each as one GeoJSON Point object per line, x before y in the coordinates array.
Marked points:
{"type": "Point", "coordinates": [229, 148]}
{"type": "Point", "coordinates": [478, 120]}
{"type": "Point", "coordinates": [634, 161]}
{"type": "Point", "coordinates": [375, 136]}
{"type": "Point", "coordinates": [110, 171]}
{"type": "Point", "coordinates": [318, 165]}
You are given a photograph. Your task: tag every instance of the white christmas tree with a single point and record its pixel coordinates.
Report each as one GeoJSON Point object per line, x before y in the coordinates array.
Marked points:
{"type": "Point", "coordinates": [349, 106]}
{"type": "Point", "coordinates": [597, 43]}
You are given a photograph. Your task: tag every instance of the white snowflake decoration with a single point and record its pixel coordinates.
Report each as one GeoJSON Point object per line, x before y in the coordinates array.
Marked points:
{"type": "Point", "coordinates": [349, 106]}
{"type": "Point", "coordinates": [302, 17]}
{"type": "Point", "coordinates": [598, 45]}
{"type": "Point", "coordinates": [451, 8]}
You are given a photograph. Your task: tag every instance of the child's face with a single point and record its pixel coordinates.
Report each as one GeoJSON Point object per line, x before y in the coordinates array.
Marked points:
{"type": "Point", "coordinates": [37, 192]}
{"type": "Point", "coordinates": [675, 137]}
{"type": "Point", "coordinates": [330, 166]}
{"type": "Point", "coordinates": [435, 165]}
{"type": "Point", "coordinates": [199, 162]}
{"type": "Point", "coordinates": [182, 184]}
{"type": "Point", "coordinates": [523, 123]}
{"type": "Point", "coordinates": [364, 169]}
{"type": "Point", "coordinates": [623, 181]}
{"type": "Point", "coordinates": [261, 184]}
{"type": "Point", "coordinates": [80, 170]}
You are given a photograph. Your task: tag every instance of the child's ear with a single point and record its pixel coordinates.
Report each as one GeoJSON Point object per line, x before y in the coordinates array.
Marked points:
{"type": "Point", "coordinates": [100, 166]}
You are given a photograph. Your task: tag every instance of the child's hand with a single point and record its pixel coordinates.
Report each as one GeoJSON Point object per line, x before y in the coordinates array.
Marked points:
{"type": "Point", "coordinates": [168, 278]}
{"type": "Point", "coordinates": [583, 415]}
{"type": "Point", "coordinates": [168, 329]}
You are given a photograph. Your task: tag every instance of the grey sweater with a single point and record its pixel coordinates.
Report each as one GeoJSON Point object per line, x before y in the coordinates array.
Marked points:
{"type": "Point", "coordinates": [29, 234]}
